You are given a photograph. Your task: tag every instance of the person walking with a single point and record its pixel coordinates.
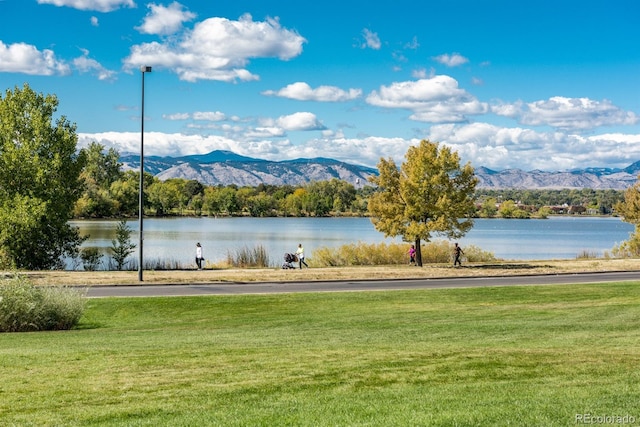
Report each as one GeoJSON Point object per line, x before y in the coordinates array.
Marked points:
{"type": "Point", "coordinates": [457, 253]}
{"type": "Point", "coordinates": [300, 255]}
{"type": "Point", "coordinates": [199, 257]}
{"type": "Point", "coordinates": [412, 255]}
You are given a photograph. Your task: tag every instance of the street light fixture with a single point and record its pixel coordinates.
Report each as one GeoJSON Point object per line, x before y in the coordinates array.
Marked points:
{"type": "Point", "coordinates": [144, 69]}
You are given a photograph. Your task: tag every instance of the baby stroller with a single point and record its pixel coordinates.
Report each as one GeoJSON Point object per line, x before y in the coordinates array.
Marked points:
{"type": "Point", "coordinates": [289, 259]}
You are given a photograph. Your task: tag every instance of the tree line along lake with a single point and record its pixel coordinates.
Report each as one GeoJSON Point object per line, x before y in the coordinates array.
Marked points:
{"type": "Point", "coordinates": [173, 240]}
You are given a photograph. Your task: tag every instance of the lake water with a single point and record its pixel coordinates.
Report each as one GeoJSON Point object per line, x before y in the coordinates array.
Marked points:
{"type": "Point", "coordinates": [514, 239]}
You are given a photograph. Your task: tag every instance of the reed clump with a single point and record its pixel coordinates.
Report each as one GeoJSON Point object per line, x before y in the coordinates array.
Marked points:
{"type": "Point", "coordinates": [438, 252]}
{"type": "Point", "coordinates": [587, 254]}
{"type": "Point", "coordinates": [248, 257]}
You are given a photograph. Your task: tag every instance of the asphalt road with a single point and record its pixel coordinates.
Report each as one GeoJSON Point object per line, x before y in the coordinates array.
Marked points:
{"type": "Point", "coordinates": [353, 285]}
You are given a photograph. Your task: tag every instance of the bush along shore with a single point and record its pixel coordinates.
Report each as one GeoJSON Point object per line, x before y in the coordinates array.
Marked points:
{"type": "Point", "coordinates": [356, 254]}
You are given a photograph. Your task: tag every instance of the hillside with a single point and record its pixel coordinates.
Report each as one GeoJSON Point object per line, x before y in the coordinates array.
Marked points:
{"type": "Point", "coordinates": [225, 168]}
{"type": "Point", "coordinates": [518, 179]}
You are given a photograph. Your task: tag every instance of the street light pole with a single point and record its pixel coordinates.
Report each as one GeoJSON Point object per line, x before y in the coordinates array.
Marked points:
{"type": "Point", "coordinates": [143, 70]}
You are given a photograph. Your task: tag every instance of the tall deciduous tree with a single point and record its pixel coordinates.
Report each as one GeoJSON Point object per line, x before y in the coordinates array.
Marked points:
{"type": "Point", "coordinates": [102, 168]}
{"type": "Point", "coordinates": [430, 194]}
{"type": "Point", "coordinates": [629, 209]}
{"type": "Point", "coordinates": [39, 181]}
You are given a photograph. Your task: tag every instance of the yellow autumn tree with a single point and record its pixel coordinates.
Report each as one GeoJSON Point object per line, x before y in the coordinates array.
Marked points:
{"type": "Point", "coordinates": [430, 194]}
{"type": "Point", "coordinates": [629, 210]}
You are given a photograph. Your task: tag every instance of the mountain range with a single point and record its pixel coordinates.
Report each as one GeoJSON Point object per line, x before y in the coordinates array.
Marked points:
{"type": "Point", "coordinates": [225, 168]}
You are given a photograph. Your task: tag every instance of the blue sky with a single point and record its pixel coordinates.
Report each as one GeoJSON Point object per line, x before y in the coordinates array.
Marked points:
{"type": "Point", "coordinates": [549, 85]}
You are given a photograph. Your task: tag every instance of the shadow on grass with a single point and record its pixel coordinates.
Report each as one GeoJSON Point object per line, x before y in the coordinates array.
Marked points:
{"type": "Point", "coordinates": [81, 326]}
{"type": "Point", "coordinates": [508, 266]}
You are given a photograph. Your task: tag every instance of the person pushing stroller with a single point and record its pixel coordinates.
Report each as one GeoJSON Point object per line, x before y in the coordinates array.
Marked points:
{"type": "Point", "coordinates": [300, 255]}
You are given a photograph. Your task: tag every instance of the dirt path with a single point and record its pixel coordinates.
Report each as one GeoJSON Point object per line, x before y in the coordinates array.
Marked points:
{"type": "Point", "coordinates": [506, 268]}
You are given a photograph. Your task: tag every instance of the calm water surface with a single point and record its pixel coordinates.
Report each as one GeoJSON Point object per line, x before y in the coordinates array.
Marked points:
{"type": "Point", "coordinates": [175, 238]}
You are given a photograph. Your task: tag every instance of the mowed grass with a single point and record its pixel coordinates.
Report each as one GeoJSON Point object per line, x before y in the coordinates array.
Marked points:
{"type": "Point", "coordinates": [496, 356]}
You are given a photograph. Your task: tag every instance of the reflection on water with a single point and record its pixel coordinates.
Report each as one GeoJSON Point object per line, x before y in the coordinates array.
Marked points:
{"type": "Point", "coordinates": [174, 239]}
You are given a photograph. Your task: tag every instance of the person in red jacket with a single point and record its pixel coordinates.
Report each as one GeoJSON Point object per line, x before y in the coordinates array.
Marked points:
{"type": "Point", "coordinates": [412, 254]}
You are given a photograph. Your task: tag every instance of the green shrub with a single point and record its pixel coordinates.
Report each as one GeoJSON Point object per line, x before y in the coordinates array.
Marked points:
{"type": "Point", "coordinates": [629, 248]}
{"type": "Point", "coordinates": [91, 258]}
{"type": "Point", "coordinates": [6, 262]}
{"type": "Point", "coordinates": [438, 252]}
{"type": "Point", "coordinates": [25, 307]}
{"type": "Point", "coordinates": [121, 246]}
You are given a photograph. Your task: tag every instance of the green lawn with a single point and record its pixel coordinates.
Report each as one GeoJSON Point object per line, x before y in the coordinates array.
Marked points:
{"type": "Point", "coordinates": [517, 356]}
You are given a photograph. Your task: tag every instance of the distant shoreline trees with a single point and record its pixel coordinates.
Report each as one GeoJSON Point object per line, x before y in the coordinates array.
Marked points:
{"type": "Point", "coordinates": [111, 192]}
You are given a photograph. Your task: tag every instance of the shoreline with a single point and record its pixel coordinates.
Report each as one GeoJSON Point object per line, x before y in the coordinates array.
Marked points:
{"type": "Point", "coordinates": [251, 275]}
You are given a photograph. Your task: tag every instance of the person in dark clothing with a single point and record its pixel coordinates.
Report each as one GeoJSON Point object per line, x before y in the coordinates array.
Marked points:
{"type": "Point", "coordinates": [457, 253]}
{"type": "Point", "coordinates": [199, 257]}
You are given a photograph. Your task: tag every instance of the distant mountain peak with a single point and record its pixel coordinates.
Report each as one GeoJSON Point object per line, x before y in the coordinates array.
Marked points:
{"type": "Point", "coordinates": [225, 167]}
{"type": "Point", "coordinates": [217, 156]}
{"type": "Point", "coordinates": [221, 167]}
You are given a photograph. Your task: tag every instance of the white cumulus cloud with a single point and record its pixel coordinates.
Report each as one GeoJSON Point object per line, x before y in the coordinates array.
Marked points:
{"type": "Point", "coordinates": [436, 100]}
{"type": "Point", "coordinates": [212, 116]}
{"type": "Point", "coordinates": [371, 39]}
{"type": "Point", "coordinates": [27, 59]}
{"type": "Point", "coordinates": [158, 143]}
{"type": "Point", "coordinates": [574, 114]}
{"type": "Point", "coordinates": [453, 60]}
{"type": "Point", "coordinates": [84, 64]}
{"type": "Point", "coordinates": [501, 148]}
{"type": "Point", "coordinates": [176, 116]}
{"type": "Point", "coordinates": [97, 5]}
{"type": "Point", "coordinates": [300, 121]}
{"type": "Point", "coordinates": [265, 132]}
{"type": "Point", "coordinates": [219, 49]}
{"type": "Point", "coordinates": [165, 19]}
{"type": "Point", "coordinates": [482, 144]}
{"type": "Point", "coordinates": [303, 92]}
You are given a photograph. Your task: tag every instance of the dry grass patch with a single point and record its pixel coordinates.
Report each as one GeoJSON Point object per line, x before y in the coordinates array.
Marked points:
{"type": "Point", "coordinates": [237, 275]}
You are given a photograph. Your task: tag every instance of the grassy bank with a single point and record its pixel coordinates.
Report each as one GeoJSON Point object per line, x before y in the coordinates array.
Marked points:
{"type": "Point", "coordinates": [233, 275]}
{"type": "Point", "coordinates": [467, 357]}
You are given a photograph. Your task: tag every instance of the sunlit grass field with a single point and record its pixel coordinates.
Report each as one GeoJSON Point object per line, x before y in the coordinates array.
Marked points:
{"type": "Point", "coordinates": [495, 356]}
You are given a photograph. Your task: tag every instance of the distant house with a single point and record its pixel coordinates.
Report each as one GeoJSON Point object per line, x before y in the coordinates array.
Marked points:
{"type": "Point", "coordinates": [576, 210]}
{"type": "Point", "coordinates": [558, 209]}
{"type": "Point", "coordinates": [526, 208]}
{"type": "Point", "coordinates": [571, 210]}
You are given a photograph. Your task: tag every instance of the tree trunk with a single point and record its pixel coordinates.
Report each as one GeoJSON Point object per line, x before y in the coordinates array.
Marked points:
{"type": "Point", "coordinates": [418, 252]}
